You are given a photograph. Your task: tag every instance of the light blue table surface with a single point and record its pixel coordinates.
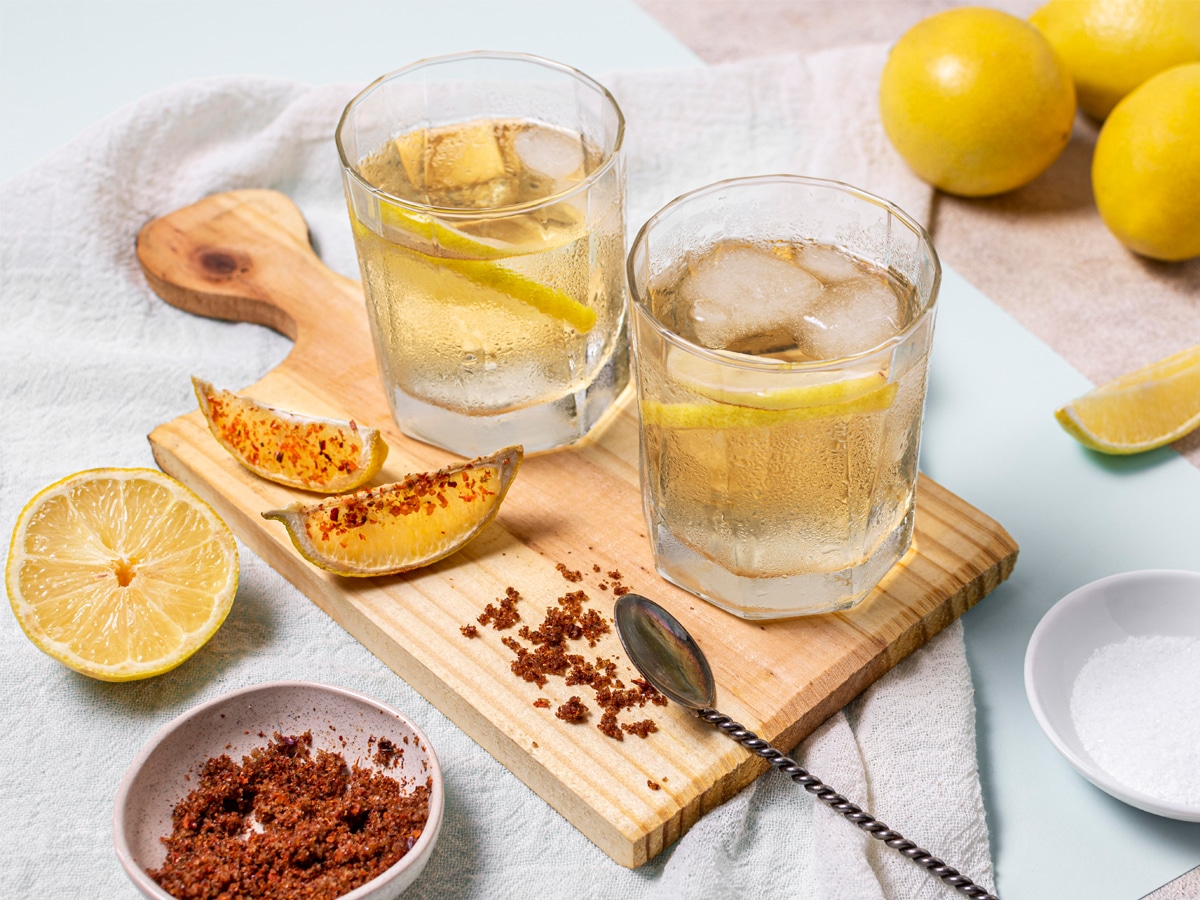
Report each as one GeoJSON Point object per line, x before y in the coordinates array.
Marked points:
{"type": "Point", "coordinates": [990, 434]}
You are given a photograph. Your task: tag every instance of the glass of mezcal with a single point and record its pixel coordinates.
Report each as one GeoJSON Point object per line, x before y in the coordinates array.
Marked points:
{"type": "Point", "coordinates": [781, 335]}
{"type": "Point", "coordinates": [486, 195]}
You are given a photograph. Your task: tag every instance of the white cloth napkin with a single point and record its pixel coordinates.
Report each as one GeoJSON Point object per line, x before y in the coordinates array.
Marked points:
{"type": "Point", "coordinates": [92, 361]}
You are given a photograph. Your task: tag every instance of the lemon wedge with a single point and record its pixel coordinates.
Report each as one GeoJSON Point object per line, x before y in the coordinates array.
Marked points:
{"type": "Point", "coordinates": [120, 573]}
{"type": "Point", "coordinates": [761, 389]}
{"type": "Point", "coordinates": [402, 526]}
{"type": "Point", "coordinates": [329, 456]}
{"type": "Point", "coordinates": [1147, 408]}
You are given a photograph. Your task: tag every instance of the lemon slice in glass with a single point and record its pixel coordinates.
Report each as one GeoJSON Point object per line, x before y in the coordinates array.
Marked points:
{"type": "Point", "coordinates": [398, 527]}
{"type": "Point", "coordinates": [759, 388]}
{"type": "Point", "coordinates": [1147, 408]}
{"type": "Point", "coordinates": [329, 456]}
{"type": "Point", "coordinates": [120, 573]}
{"type": "Point", "coordinates": [480, 263]}
{"type": "Point", "coordinates": [728, 416]}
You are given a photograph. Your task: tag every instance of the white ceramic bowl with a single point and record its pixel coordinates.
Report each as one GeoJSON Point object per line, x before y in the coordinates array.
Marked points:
{"type": "Point", "coordinates": [154, 781]}
{"type": "Point", "coordinates": [1108, 611]}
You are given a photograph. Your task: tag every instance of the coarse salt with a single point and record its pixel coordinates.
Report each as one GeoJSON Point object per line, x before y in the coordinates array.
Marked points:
{"type": "Point", "coordinates": [1136, 708]}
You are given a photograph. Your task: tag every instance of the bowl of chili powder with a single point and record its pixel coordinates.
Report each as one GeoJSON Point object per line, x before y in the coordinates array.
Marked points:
{"type": "Point", "coordinates": [284, 790]}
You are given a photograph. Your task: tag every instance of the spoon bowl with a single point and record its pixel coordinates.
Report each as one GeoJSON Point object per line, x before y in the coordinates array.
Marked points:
{"type": "Point", "coordinates": [664, 652]}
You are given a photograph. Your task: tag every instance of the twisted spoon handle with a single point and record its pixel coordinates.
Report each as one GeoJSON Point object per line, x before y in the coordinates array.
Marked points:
{"type": "Point", "coordinates": [838, 803]}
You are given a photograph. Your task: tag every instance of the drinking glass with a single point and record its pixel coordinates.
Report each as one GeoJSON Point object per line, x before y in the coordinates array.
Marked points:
{"type": "Point", "coordinates": [486, 195]}
{"type": "Point", "coordinates": [781, 335]}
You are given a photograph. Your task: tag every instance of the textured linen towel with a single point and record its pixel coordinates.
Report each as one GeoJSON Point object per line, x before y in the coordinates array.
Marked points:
{"type": "Point", "coordinates": [92, 361]}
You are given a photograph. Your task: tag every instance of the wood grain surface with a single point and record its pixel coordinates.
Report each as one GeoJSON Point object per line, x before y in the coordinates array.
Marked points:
{"type": "Point", "coordinates": [245, 255]}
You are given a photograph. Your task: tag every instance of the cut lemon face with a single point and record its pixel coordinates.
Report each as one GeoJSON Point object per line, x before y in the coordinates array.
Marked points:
{"type": "Point", "coordinates": [480, 264]}
{"type": "Point", "coordinates": [764, 389]}
{"type": "Point", "coordinates": [120, 573]}
{"type": "Point", "coordinates": [325, 455]}
{"type": "Point", "coordinates": [398, 527]}
{"type": "Point", "coordinates": [1147, 408]}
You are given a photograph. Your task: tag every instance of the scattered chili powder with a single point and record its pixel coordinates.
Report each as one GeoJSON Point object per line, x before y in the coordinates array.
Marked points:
{"type": "Point", "coordinates": [469, 631]}
{"type": "Point", "coordinates": [326, 828]}
{"type": "Point", "coordinates": [572, 575]}
{"type": "Point", "coordinates": [504, 616]}
{"type": "Point", "coordinates": [642, 729]}
{"type": "Point", "coordinates": [545, 654]}
{"type": "Point", "coordinates": [653, 785]}
{"type": "Point", "coordinates": [573, 710]}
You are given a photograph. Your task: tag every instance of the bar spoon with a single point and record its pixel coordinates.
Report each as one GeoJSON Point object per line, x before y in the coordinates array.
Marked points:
{"type": "Point", "coordinates": [671, 660]}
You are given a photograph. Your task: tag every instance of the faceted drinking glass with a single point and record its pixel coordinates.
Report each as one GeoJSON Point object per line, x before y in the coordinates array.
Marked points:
{"type": "Point", "coordinates": [781, 335]}
{"type": "Point", "coordinates": [486, 195]}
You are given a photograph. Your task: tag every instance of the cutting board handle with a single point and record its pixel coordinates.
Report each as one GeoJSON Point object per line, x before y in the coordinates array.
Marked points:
{"type": "Point", "coordinates": [246, 256]}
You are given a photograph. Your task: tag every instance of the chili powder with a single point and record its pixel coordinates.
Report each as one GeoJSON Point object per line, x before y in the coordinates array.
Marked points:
{"type": "Point", "coordinates": [288, 826]}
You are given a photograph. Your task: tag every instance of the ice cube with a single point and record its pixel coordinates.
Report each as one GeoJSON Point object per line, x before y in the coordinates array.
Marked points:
{"type": "Point", "coordinates": [827, 263]}
{"type": "Point", "coordinates": [459, 165]}
{"type": "Point", "coordinates": [739, 294]}
{"type": "Point", "coordinates": [850, 317]}
{"type": "Point", "coordinates": [555, 157]}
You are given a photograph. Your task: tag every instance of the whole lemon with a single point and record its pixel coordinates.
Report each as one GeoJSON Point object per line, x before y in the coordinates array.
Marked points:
{"type": "Point", "coordinates": [1146, 169]}
{"type": "Point", "coordinates": [976, 101]}
{"type": "Point", "coordinates": [1112, 46]}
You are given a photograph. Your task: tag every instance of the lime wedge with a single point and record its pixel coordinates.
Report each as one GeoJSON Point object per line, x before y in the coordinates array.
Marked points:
{"type": "Point", "coordinates": [759, 389]}
{"type": "Point", "coordinates": [729, 416]}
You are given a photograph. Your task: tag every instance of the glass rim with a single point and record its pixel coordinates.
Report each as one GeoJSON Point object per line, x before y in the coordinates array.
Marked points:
{"type": "Point", "coordinates": [492, 212]}
{"type": "Point", "coordinates": [758, 364]}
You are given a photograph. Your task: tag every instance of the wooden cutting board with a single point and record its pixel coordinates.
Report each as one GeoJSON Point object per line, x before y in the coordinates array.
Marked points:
{"type": "Point", "coordinates": [246, 256]}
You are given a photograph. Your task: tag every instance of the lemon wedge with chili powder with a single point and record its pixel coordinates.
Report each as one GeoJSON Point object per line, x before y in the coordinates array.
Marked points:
{"type": "Point", "coordinates": [1148, 408]}
{"type": "Point", "coordinates": [120, 573]}
{"type": "Point", "coordinates": [403, 526]}
{"type": "Point", "coordinates": [329, 456]}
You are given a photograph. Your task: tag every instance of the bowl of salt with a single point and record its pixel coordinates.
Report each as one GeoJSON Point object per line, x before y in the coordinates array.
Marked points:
{"type": "Point", "coordinates": [1112, 673]}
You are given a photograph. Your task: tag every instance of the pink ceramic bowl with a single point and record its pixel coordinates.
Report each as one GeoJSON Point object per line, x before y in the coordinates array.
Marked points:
{"type": "Point", "coordinates": [155, 780]}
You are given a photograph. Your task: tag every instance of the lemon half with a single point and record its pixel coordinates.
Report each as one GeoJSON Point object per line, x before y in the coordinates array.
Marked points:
{"type": "Point", "coordinates": [120, 573]}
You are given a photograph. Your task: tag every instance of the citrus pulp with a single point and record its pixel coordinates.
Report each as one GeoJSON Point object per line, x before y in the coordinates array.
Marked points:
{"type": "Point", "coordinates": [120, 573]}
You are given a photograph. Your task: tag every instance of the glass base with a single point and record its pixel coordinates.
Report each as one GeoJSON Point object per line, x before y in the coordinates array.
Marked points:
{"type": "Point", "coordinates": [542, 427]}
{"type": "Point", "coordinates": [780, 597]}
